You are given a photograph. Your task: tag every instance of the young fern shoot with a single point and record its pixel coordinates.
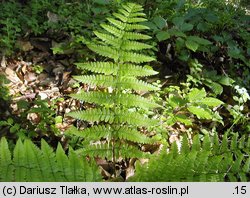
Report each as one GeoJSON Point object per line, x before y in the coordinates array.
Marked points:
{"type": "Point", "coordinates": [116, 112]}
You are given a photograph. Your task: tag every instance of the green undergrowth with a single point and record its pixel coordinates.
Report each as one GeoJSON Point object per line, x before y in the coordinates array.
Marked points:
{"type": "Point", "coordinates": [210, 160]}
{"type": "Point", "coordinates": [197, 85]}
{"type": "Point", "coordinates": [28, 163]}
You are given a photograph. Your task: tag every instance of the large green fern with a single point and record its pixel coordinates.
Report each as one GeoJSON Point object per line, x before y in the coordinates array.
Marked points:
{"type": "Point", "coordinates": [209, 161]}
{"type": "Point", "coordinates": [116, 112]}
{"type": "Point", "coordinates": [31, 164]}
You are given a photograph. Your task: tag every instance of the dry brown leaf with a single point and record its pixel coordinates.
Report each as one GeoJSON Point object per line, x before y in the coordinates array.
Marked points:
{"type": "Point", "coordinates": [3, 62]}
{"type": "Point", "coordinates": [34, 118]}
{"type": "Point", "coordinates": [11, 75]}
{"type": "Point", "coordinates": [54, 18]}
{"type": "Point", "coordinates": [29, 77]}
{"type": "Point", "coordinates": [62, 126]}
{"type": "Point", "coordinates": [25, 45]}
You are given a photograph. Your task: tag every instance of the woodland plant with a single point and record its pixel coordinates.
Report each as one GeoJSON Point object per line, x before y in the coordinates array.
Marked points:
{"type": "Point", "coordinates": [116, 118]}
{"type": "Point", "coordinates": [196, 160]}
{"type": "Point", "coordinates": [183, 105]}
{"type": "Point", "coordinates": [28, 163]}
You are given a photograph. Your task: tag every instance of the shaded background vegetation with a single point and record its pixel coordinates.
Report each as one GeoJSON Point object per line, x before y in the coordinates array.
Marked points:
{"type": "Point", "coordinates": [201, 47]}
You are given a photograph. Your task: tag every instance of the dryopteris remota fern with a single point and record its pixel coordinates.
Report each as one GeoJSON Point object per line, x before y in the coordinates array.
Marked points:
{"type": "Point", "coordinates": [30, 164]}
{"type": "Point", "coordinates": [209, 161]}
{"type": "Point", "coordinates": [116, 111]}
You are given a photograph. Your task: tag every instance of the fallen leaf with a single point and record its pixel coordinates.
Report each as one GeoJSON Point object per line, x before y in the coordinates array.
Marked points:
{"type": "Point", "coordinates": [11, 75]}
{"type": "Point", "coordinates": [3, 62]}
{"type": "Point", "coordinates": [25, 45]}
{"type": "Point", "coordinates": [34, 118]}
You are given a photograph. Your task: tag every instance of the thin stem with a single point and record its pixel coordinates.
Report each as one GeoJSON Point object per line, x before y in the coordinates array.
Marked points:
{"type": "Point", "coordinates": [113, 153]}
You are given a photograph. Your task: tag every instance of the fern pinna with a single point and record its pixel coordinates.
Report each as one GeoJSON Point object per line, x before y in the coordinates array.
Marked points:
{"type": "Point", "coordinates": [29, 163]}
{"type": "Point", "coordinates": [116, 108]}
{"type": "Point", "coordinates": [209, 161]}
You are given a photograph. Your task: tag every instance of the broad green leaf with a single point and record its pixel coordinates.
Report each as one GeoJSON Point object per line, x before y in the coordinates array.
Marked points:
{"type": "Point", "coordinates": [196, 95]}
{"type": "Point", "coordinates": [151, 25]}
{"type": "Point", "coordinates": [199, 40]}
{"type": "Point", "coordinates": [200, 112]}
{"type": "Point", "coordinates": [192, 45]}
{"type": "Point", "coordinates": [203, 27]}
{"type": "Point", "coordinates": [176, 101]}
{"type": "Point", "coordinates": [216, 87]}
{"type": "Point", "coordinates": [162, 35]}
{"type": "Point", "coordinates": [102, 2]}
{"type": "Point", "coordinates": [183, 119]}
{"type": "Point", "coordinates": [176, 32]}
{"type": "Point", "coordinates": [212, 102]}
{"type": "Point", "coordinates": [185, 27]}
{"type": "Point", "coordinates": [160, 22]}
{"type": "Point", "coordinates": [248, 51]}
{"type": "Point", "coordinates": [211, 17]}
{"type": "Point", "coordinates": [225, 80]}
{"type": "Point", "coordinates": [178, 21]}
{"type": "Point", "coordinates": [182, 25]}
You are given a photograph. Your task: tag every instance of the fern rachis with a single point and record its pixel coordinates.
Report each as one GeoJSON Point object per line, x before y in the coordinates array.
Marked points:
{"type": "Point", "coordinates": [120, 43]}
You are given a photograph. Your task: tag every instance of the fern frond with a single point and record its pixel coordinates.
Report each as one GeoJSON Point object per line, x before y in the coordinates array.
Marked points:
{"type": "Point", "coordinates": [132, 7]}
{"type": "Point", "coordinates": [135, 36]}
{"type": "Point", "coordinates": [120, 25]}
{"type": "Point", "coordinates": [246, 167]}
{"type": "Point", "coordinates": [136, 20]}
{"type": "Point", "coordinates": [41, 172]}
{"type": "Point", "coordinates": [108, 132]}
{"type": "Point", "coordinates": [104, 150]}
{"type": "Point", "coordinates": [224, 144]}
{"type": "Point", "coordinates": [137, 85]}
{"type": "Point", "coordinates": [130, 27]}
{"type": "Point", "coordinates": [196, 143]}
{"type": "Point", "coordinates": [130, 100]}
{"type": "Point", "coordinates": [216, 144]}
{"type": "Point", "coordinates": [135, 70]}
{"type": "Point", "coordinates": [124, 35]}
{"type": "Point", "coordinates": [137, 14]}
{"type": "Point", "coordinates": [96, 80]}
{"type": "Point", "coordinates": [104, 51]}
{"type": "Point", "coordinates": [124, 12]}
{"type": "Point", "coordinates": [111, 29]}
{"type": "Point", "coordinates": [110, 81]}
{"type": "Point", "coordinates": [19, 162]}
{"type": "Point", "coordinates": [134, 45]}
{"type": "Point", "coordinates": [198, 165]}
{"type": "Point", "coordinates": [125, 26]}
{"type": "Point", "coordinates": [104, 98]}
{"type": "Point", "coordinates": [119, 43]}
{"type": "Point", "coordinates": [6, 166]}
{"type": "Point", "coordinates": [133, 135]}
{"type": "Point", "coordinates": [100, 149]}
{"type": "Point", "coordinates": [206, 144]}
{"type": "Point", "coordinates": [34, 170]}
{"type": "Point", "coordinates": [49, 157]}
{"type": "Point", "coordinates": [121, 17]}
{"type": "Point", "coordinates": [94, 133]}
{"type": "Point", "coordinates": [134, 57]}
{"type": "Point", "coordinates": [185, 145]}
{"type": "Point", "coordinates": [30, 163]}
{"type": "Point", "coordinates": [127, 14]}
{"type": "Point", "coordinates": [77, 168]}
{"type": "Point", "coordinates": [111, 40]}
{"type": "Point", "coordinates": [115, 116]}
{"type": "Point", "coordinates": [62, 162]}
{"type": "Point", "coordinates": [109, 68]}
{"type": "Point", "coordinates": [234, 142]}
